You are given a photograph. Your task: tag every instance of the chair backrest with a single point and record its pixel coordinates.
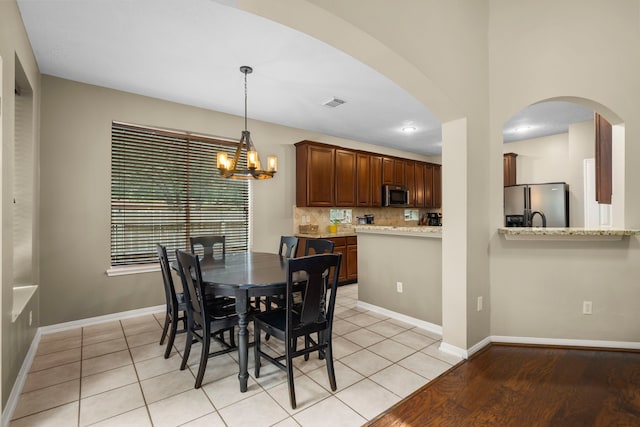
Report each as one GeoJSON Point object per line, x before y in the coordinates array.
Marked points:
{"type": "Point", "coordinates": [208, 244]}
{"type": "Point", "coordinates": [319, 246]}
{"type": "Point", "coordinates": [290, 243]}
{"type": "Point", "coordinates": [317, 274]}
{"type": "Point", "coordinates": [169, 288]}
{"type": "Point", "coordinates": [191, 275]}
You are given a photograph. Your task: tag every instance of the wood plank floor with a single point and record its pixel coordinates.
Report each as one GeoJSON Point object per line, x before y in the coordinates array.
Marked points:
{"type": "Point", "coordinates": [528, 386]}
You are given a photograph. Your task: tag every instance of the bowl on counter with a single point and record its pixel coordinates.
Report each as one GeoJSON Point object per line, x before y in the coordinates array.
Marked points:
{"type": "Point", "coordinates": [308, 228]}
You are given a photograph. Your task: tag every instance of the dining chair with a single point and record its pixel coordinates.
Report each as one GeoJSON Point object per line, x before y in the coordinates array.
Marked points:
{"type": "Point", "coordinates": [208, 244]}
{"type": "Point", "coordinates": [175, 304]}
{"type": "Point", "coordinates": [288, 249]}
{"type": "Point", "coordinates": [319, 246]}
{"type": "Point", "coordinates": [204, 320]}
{"type": "Point", "coordinates": [288, 246]}
{"type": "Point", "coordinates": [313, 315]}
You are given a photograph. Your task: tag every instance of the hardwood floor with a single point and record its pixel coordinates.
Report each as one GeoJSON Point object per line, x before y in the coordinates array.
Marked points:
{"type": "Point", "coordinates": [528, 386]}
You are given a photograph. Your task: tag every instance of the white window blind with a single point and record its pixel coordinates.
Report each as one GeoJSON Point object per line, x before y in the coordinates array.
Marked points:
{"type": "Point", "coordinates": [165, 188]}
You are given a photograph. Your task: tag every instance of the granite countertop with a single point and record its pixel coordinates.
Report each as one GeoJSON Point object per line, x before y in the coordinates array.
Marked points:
{"type": "Point", "coordinates": [570, 233]}
{"type": "Point", "coordinates": [417, 230]}
{"type": "Point", "coordinates": [350, 232]}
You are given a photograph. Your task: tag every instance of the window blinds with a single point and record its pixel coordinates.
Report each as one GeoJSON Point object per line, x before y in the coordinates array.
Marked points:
{"type": "Point", "coordinates": [165, 188]}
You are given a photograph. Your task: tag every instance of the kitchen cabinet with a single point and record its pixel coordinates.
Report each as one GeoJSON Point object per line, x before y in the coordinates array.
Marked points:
{"type": "Point", "coordinates": [419, 185]}
{"type": "Point", "coordinates": [410, 181]}
{"type": "Point", "coordinates": [345, 178]}
{"type": "Point", "coordinates": [352, 259]}
{"type": "Point", "coordinates": [509, 160]}
{"type": "Point", "coordinates": [315, 175]}
{"type": "Point", "coordinates": [375, 163]}
{"type": "Point", "coordinates": [432, 186]}
{"type": "Point", "coordinates": [436, 193]}
{"type": "Point", "coordinates": [603, 160]}
{"type": "Point", "coordinates": [398, 169]}
{"type": "Point", "coordinates": [330, 176]}
{"type": "Point", "coordinates": [341, 248]}
{"type": "Point", "coordinates": [364, 181]}
{"type": "Point", "coordinates": [388, 171]}
{"type": "Point", "coordinates": [348, 247]}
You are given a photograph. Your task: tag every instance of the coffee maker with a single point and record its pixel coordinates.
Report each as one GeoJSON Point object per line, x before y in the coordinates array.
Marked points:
{"type": "Point", "coordinates": [433, 219]}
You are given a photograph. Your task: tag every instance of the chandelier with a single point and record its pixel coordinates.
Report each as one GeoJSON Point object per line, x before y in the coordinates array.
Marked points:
{"type": "Point", "coordinates": [229, 168]}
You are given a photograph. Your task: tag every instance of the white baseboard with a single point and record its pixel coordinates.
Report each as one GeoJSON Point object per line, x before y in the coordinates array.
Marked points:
{"type": "Point", "coordinates": [565, 342]}
{"type": "Point", "coordinates": [431, 327]}
{"type": "Point", "coordinates": [100, 319]}
{"type": "Point", "coordinates": [18, 385]}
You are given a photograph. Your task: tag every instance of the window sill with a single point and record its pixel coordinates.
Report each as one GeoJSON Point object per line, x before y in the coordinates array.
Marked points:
{"type": "Point", "coordinates": [123, 270]}
{"type": "Point", "coordinates": [21, 297]}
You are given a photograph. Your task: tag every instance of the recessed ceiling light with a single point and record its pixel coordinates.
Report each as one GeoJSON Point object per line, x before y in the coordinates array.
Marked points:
{"type": "Point", "coordinates": [408, 129]}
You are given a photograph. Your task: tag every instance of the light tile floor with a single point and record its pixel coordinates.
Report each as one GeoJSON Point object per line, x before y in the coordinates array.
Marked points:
{"type": "Point", "coordinates": [114, 374]}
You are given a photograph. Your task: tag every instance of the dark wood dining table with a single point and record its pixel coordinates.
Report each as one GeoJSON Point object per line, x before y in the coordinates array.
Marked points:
{"type": "Point", "coordinates": [244, 275]}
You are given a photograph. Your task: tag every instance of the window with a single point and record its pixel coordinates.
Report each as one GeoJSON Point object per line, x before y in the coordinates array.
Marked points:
{"type": "Point", "coordinates": [165, 188]}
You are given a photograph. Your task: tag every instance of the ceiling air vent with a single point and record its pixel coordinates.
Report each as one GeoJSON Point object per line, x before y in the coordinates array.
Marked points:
{"type": "Point", "coordinates": [333, 102]}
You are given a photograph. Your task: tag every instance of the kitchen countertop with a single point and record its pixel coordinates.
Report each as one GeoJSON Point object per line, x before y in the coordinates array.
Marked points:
{"type": "Point", "coordinates": [416, 231]}
{"type": "Point", "coordinates": [570, 233]}
{"type": "Point", "coordinates": [326, 235]}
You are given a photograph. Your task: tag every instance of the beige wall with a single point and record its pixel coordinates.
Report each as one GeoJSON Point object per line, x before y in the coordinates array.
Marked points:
{"type": "Point", "coordinates": [537, 288]}
{"type": "Point", "coordinates": [75, 199]}
{"type": "Point", "coordinates": [474, 82]}
{"type": "Point", "coordinates": [384, 260]}
{"type": "Point", "coordinates": [16, 336]}
{"type": "Point", "coordinates": [437, 51]}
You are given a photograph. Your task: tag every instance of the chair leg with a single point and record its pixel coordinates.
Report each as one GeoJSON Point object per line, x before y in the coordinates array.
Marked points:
{"type": "Point", "coordinates": [321, 339]}
{"type": "Point", "coordinates": [330, 371]}
{"type": "Point", "coordinates": [307, 342]}
{"type": "Point", "coordinates": [187, 350]}
{"type": "Point", "coordinates": [232, 337]}
{"type": "Point", "coordinates": [165, 328]}
{"type": "Point", "coordinates": [204, 357]}
{"type": "Point", "coordinates": [292, 392]}
{"type": "Point", "coordinates": [256, 349]}
{"type": "Point", "coordinates": [172, 337]}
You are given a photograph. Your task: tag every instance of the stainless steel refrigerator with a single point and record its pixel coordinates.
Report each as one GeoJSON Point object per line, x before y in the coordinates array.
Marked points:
{"type": "Point", "coordinates": [536, 205]}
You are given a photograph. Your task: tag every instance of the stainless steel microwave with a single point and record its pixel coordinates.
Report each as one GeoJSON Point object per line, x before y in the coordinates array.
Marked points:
{"type": "Point", "coordinates": [395, 196]}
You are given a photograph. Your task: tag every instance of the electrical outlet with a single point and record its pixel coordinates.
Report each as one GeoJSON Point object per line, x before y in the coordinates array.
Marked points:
{"type": "Point", "coordinates": [587, 307]}
{"type": "Point", "coordinates": [399, 287]}
{"type": "Point", "coordinates": [479, 304]}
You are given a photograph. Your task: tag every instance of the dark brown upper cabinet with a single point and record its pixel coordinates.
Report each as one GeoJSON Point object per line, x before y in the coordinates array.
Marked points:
{"type": "Point", "coordinates": [603, 160]}
{"type": "Point", "coordinates": [375, 162]}
{"type": "Point", "coordinates": [509, 161]}
{"type": "Point", "coordinates": [315, 175]}
{"type": "Point", "coordinates": [364, 183]}
{"type": "Point", "coordinates": [346, 178]}
{"type": "Point", "coordinates": [328, 176]}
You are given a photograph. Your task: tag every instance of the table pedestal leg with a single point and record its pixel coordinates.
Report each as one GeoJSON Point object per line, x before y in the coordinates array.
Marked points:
{"type": "Point", "coordinates": [243, 339]}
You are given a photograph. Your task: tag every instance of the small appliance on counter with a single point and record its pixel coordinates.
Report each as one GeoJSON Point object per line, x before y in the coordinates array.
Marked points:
{"type": "Point", "coordinates": [367, 219]}
{"type": "Point", "coordinates": [434, 219]}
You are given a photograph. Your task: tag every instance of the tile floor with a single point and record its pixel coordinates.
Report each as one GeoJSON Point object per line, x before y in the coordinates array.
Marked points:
{"type": "Point", "coordinates": [114, 374]}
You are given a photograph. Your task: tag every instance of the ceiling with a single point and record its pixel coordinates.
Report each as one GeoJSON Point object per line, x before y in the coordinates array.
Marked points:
{"type": "Point", "coordinates": [190, 53]}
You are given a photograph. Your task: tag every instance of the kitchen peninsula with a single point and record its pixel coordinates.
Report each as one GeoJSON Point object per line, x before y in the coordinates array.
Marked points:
{"type": "Point", "coordinates": [401, 273]}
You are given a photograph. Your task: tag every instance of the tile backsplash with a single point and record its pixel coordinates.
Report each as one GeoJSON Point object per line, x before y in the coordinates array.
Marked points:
{"type": "Point", "coordinates": [382, 216]}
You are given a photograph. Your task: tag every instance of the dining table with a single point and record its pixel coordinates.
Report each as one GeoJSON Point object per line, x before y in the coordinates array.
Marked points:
{"type": "Point", "coordinates": [244, 275]}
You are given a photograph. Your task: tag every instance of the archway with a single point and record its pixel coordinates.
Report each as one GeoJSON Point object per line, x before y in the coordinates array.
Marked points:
{"type": "Point", "coordinates": [553, 141]}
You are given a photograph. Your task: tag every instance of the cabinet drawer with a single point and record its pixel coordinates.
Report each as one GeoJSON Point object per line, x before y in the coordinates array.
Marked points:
{"type": "Point", "coordinates": [339, 241]}
{"type": "Point", "coordinates": [352, 240]}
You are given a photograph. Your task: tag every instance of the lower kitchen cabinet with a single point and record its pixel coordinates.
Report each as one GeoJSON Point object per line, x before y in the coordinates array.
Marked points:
{"type": "Point", "coordinates": [348, 247]}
